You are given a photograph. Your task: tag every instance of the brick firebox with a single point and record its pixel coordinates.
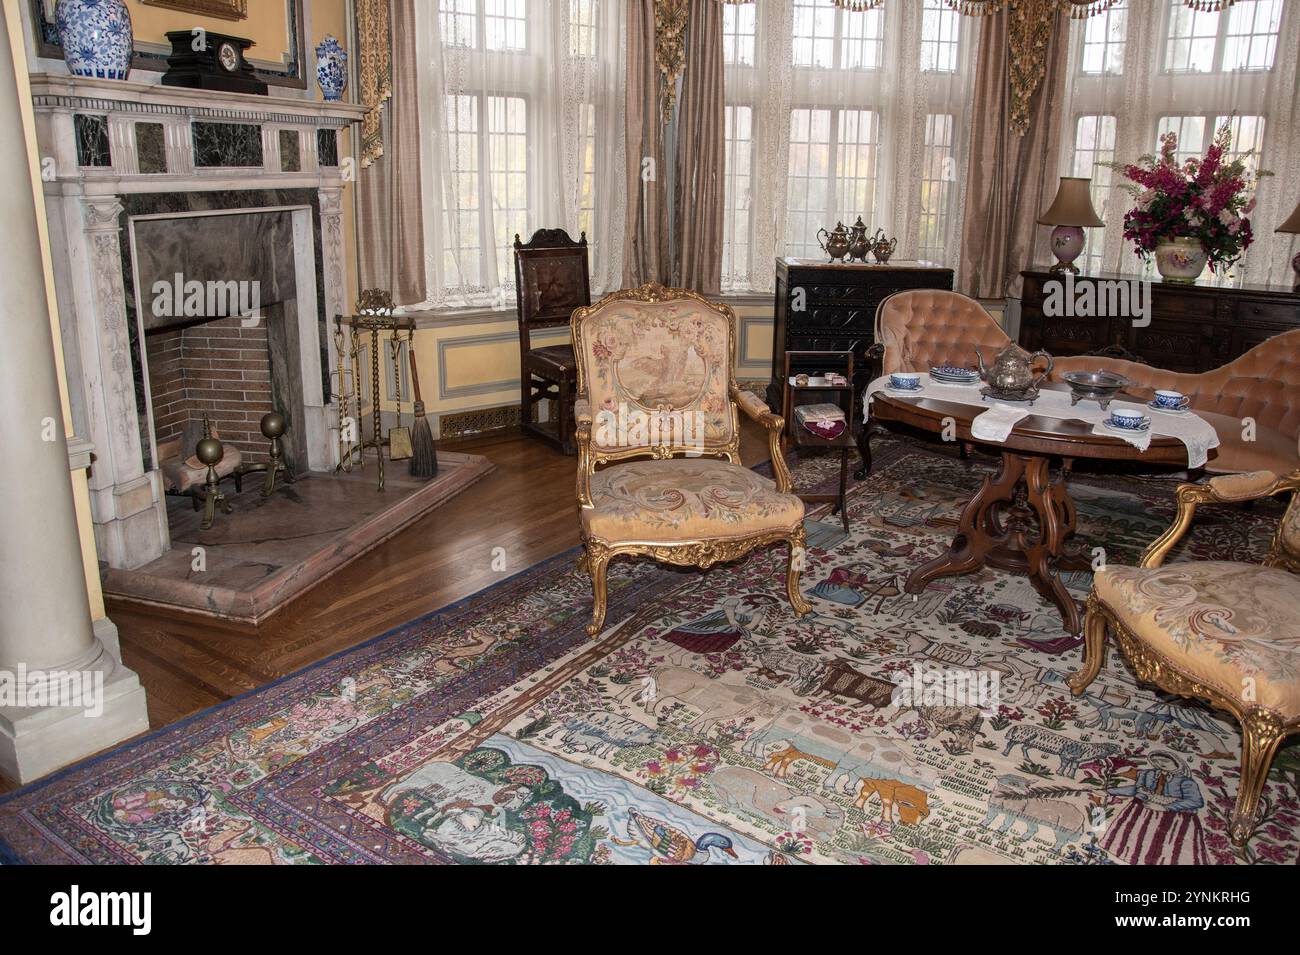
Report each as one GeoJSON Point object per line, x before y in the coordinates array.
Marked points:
{"type": "Point", "coordinates": [216, 367]}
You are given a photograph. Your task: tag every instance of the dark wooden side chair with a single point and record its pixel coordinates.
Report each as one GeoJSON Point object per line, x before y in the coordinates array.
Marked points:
{"type": "Point", "coordinates": [551, 280]}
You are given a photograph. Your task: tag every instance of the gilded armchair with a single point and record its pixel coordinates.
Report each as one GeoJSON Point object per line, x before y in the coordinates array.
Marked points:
{"type": "Point", "coordinates": [659, 472]}
{"type": "Point", "coordinates": [1224, 632]}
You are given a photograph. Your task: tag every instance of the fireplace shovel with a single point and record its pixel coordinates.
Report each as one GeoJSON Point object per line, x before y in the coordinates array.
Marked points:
{"type": "Point", "coordinates": [424, 454]}
{"type": "Point", "coordinates": [399, 437]}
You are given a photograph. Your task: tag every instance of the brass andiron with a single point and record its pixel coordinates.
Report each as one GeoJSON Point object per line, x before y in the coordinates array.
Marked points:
{"type": "Point", "coordinates": [209, 451]}
{"type": "Point", "coordinates": [273, 425]}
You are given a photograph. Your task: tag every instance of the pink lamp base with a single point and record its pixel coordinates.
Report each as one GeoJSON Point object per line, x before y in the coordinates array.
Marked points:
{"type": "Point", "coordinates": [1067, 245]}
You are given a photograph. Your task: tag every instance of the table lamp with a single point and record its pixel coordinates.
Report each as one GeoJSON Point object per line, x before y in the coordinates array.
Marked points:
{"type": "Point", "coordinates": [1070, 211]}
{"type": "Point", "coordinates": [1292, 225]}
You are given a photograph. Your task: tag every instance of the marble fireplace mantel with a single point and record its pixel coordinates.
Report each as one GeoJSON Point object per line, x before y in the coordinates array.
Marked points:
{"type": "Point", "coordinates": [107, 147]}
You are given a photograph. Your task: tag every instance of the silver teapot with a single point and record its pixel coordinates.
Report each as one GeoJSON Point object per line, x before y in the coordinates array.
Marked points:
{"type": "Point", "coordinates": [859, 242]}
{"type": "Point", "coordinates": [1012, 372]}
{"type": "Point", "coordinates": [882, 247]}
{"type": "Point", "coordinates": [836, 244]}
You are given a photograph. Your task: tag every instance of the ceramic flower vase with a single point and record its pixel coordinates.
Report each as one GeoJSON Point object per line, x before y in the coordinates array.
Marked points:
{"type": "Point", "coordinates": [1180, 259]}
{"type": "Point", "coordinates": [331, 69]}
{"type": "Point", "coordinates": [96, 37]}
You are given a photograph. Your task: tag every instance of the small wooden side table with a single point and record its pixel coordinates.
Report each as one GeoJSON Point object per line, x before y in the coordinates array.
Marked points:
{"type": "Point", "coordinates": [798, 437]}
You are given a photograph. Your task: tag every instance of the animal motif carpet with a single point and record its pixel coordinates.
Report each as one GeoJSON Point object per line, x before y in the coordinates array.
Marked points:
{"type": "Point", "coordinates": [708, 725]}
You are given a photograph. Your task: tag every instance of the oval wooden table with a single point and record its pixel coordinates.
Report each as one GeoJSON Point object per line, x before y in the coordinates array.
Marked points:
{"type": "Point", "coordinates": [1020, 519]}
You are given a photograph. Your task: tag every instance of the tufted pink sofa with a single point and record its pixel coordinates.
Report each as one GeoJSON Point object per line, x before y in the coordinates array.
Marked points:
{"type": "Point", "coordinates": [926, 327]}
{"type": "Point", "coordinates": [1263, 384]}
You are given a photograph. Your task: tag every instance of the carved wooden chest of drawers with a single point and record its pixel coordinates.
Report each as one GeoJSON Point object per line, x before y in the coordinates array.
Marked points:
{"type": "Point", "coordinates": [1192, 328]}
{"type": "Point", "coordinates": [821, 307]}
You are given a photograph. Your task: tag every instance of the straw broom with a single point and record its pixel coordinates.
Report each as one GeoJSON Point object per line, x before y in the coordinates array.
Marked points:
{"type": "Point", "coordinates": [424, 454]}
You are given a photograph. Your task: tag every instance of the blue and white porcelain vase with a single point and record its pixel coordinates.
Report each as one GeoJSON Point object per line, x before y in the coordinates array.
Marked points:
{"type": "Point", "coordinates": [331, 69]}
{"type": "Point", "coordinates": [96, 37]}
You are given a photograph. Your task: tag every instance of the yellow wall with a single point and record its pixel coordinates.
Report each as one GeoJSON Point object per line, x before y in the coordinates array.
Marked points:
{"type": "Point", "coordinates": [266, 25]}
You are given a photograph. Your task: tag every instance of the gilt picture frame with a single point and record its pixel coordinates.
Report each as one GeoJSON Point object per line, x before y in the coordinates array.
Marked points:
{"type": "Point", "coordinates": [222, 9]}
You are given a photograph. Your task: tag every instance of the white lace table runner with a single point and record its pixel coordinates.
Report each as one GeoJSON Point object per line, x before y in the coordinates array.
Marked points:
{"type": "Point", "coordinates": [999, 417]}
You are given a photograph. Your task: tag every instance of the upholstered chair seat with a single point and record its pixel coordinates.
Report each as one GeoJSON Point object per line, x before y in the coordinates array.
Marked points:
{"type": "Point", "coordinates": [1224, 632]}
{"type": "Point", "coordinates": [659, 472]}
{"type": "Point", "coordinates": [648, 500]}
{"type": "Point", "coordinates": [1222, 622]}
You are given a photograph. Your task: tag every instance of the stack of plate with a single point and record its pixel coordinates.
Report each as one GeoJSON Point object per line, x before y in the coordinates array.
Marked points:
{"type": "Point", "coordinates": [952, 375]}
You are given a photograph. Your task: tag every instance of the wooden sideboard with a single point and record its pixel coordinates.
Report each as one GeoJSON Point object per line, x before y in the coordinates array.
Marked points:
{"type": "Point", "coordinates": [832, 307]}
{"type": "Point", "coordinates": [1193, 328]}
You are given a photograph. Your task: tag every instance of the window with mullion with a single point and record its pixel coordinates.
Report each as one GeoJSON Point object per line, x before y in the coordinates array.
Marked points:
{"type": "Point", "coordinates": [1240, 38]}
{"type": "Point", "coordinates": [940, 37]}
{"type": "Point", "coordinates": [826, 37]}
{"type": "Point", "coordinates": [833, 155]}
{"type": "Point", "coordinates": [1094, 144]}
{"type": "Point", "coordinates": [739, 138]}
{"type": "Point", "coordinates": [739, 34]}
{"type": "Point", "coordinates": [937, 178]}
{"type": "Point", "coordinates": [497, 25]}
{"type": "Point", "coordinates": [1103, 44]}
{"type": "Point", "coordinates": [488, 139]}
{"type": "Point", "coordinates": [507, 165]}
{"type": "Point", "coordinates": [808, 196]}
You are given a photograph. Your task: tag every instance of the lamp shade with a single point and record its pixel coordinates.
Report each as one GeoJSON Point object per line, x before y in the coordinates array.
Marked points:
{"type": "Point", "coordinates": [1292, 223]}
{"type": "Point", "coordinates": [1072, 205]}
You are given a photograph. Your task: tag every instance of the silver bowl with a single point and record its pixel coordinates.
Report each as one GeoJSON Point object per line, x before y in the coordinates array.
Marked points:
{"type": "Point", "coordinates": [1099, 386]}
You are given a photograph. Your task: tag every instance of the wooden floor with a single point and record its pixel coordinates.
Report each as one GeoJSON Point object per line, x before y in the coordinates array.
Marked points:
{"type": "Point", "coordinates": [526, 507]}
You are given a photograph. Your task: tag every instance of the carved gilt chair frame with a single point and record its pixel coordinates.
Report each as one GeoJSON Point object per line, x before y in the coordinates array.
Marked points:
{"type": "Point", "coordinates": [1262, 729]}
{"type": "Point", "coordinates": [688, 552]}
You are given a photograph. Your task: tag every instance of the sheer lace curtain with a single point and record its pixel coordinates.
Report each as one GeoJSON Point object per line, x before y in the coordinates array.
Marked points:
{"type": "Point", "coordinates": [1144, 67]}
{"type": "Point", "coordinates": [833, 114]}
{"type": "Point", "coordinates": [522, 102]}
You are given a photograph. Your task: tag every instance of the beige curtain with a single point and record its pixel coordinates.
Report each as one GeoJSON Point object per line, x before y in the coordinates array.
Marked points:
{"type": "Point", "coordinates": [701, 156]}
{"type": "Point", "coordinates": [1011, 178]}
{"type": "Point", "coordinates": [645, 246]}
{"type": "Point", "coordinates": [390, 208]}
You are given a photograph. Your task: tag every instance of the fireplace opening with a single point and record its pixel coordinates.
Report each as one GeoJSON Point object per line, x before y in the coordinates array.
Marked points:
{"type": "Point", "coordinates": [220, 368]}
{"type": "Point", "coordinates": [220, 332]}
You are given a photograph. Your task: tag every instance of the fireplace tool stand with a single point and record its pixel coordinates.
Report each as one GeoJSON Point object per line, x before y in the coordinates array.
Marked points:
{"type": "Point", "coordinates": [375, 315]}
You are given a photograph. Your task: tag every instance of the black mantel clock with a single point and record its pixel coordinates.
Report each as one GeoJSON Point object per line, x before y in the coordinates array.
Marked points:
{"type": "Point", "coordinates": [205, 60]}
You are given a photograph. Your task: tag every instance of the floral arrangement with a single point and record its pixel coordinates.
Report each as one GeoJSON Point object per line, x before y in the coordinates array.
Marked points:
{"type": "Point", "coordinates": [1203, 198]}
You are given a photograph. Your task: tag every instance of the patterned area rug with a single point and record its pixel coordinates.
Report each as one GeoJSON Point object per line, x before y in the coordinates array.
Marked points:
{"type": "Point", "coordinates": [708, 725]}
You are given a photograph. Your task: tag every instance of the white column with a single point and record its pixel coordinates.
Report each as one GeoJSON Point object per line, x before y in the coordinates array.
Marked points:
{"type": "Point", "coordinates": [45, 627]}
